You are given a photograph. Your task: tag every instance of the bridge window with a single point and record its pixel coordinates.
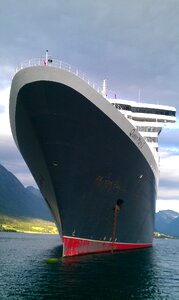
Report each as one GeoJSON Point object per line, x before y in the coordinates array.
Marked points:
{"type": "Point", "coordinates": [155, 111]}
{"type": "Point", "coordinates": [145, 110]}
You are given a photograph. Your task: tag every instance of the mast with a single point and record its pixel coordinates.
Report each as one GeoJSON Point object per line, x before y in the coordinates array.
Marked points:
{"type": "Point", "coordinates": [104, 89]}
{"type": "Point", "coordinates": [46, 57]}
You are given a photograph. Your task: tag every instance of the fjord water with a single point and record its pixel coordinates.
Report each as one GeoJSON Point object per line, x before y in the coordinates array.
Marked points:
{"type": "Point", "coordinates": [31, 268]}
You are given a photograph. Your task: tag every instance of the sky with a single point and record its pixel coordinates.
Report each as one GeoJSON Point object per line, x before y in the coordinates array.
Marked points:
{"type": "Point", "coordinates": [134, 45]}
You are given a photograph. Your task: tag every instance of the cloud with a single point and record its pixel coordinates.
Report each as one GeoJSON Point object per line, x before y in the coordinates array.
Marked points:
{"type": "Point", "coordinates": [168, 192]}
{"type": "Point", "coordinates": [133, 44]}
{"type": "Point", "coordinates": [4, 115]}
{"type": "Point", "coordinates": [6, 74]}
{"type": "Point", "coordinates": [164, 205]}
{"type": "Point", "coordinates": [169, 174]}
{"type": "Point", "coordinates": [2, 109]}
{"type": "Point", "coordinates": [169, 164]}
{"type": "Point", "coordinates": [169, 139]}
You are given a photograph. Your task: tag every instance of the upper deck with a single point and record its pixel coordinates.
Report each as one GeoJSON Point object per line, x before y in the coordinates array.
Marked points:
{"type": "Point", "coordinates": [149, 119]}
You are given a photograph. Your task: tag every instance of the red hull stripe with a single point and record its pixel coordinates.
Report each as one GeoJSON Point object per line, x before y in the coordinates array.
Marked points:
{"type": "Point", "coordinates": [77, 246]}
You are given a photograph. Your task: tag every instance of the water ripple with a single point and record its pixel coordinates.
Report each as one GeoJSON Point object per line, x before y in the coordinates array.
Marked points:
{"type": "Point", "coordinates": [32, 268]}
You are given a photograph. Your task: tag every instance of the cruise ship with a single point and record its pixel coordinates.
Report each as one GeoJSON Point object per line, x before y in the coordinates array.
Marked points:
{"type": "Point", "coordinates": [94, 157]}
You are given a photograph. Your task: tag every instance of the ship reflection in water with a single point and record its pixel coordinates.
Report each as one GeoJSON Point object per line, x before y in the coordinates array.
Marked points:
{"type": "Point", "coordinates": [32, 268]}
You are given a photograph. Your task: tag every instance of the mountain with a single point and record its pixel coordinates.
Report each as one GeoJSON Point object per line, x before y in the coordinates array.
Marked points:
{"type": "Point", "coordinates": [167, 221]}
{"type": "Point", "coordinates": [34, 191]}
{"type": "Point", "coordinates": [18, 201]}
{"type": "Point", "coordinates": [173, 228]}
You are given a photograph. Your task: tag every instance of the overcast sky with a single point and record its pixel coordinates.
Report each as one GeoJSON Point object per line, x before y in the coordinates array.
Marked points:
{"type": "Point", "coordinates": [133, 44]}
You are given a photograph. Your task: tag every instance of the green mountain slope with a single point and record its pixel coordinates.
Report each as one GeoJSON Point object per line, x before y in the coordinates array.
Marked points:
{"type": "Point", "coordinates": [18, 201]}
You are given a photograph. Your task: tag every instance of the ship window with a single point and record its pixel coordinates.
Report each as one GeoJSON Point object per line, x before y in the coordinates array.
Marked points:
{"type": "Point", "coordinates": [153, 111]}
{"type": "Point", "coordinates": [151, 139]}
{"type": "Point", "coordinates": [122, 106]}
{"type": "Point", "coordinates": [145, 110]}
{"type": "Point", "coordinates": [147, 129]}
{"type": "Point", "coordinates": [55, 163]}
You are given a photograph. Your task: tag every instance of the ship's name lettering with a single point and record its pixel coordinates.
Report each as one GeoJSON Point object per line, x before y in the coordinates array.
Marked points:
{"type": "Point", "coordinates": [139, 141]}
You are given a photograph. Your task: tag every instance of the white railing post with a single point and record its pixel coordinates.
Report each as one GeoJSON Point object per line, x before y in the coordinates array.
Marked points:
{"type": "Point", "coordinates": [46, 57]}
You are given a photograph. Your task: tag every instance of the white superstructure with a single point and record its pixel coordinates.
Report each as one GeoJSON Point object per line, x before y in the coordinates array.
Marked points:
{"type": "Point", "coordinates": [148, 119]}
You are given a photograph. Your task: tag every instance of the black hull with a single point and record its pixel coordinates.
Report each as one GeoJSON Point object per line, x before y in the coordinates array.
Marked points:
{"type": "Point", "coordinates": [83, 162]}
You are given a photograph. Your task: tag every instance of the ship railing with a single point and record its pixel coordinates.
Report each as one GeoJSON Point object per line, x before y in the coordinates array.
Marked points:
{"type": "Point", "coordinates": [57, 64]}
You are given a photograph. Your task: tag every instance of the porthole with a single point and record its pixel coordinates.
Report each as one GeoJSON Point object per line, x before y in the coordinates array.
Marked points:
{"type": "Point", "coordinates": [55, 163]}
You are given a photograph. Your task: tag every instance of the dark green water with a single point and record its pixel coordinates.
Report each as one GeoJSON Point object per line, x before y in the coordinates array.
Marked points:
{"type": "Point", "coordinates": [31, 268]}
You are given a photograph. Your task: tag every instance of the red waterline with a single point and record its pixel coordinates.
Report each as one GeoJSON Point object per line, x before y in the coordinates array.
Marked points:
{"type": "Point", "coordinates": [78, 246]}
